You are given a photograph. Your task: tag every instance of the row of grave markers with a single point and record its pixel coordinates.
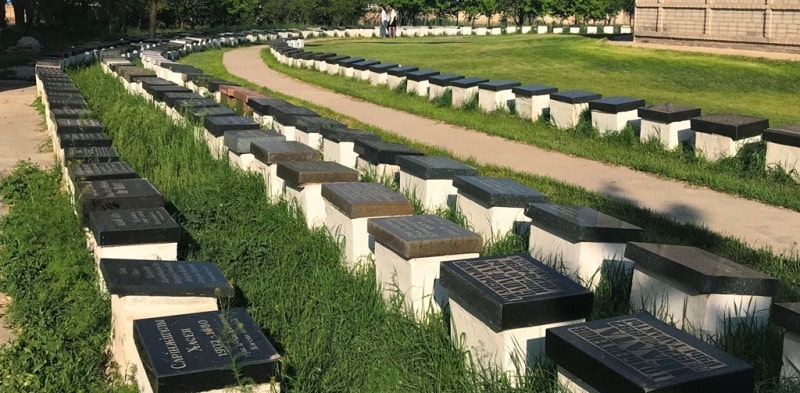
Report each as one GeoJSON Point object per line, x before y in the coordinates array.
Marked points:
{"type": "Point", "coordinates": [423, 31]}
{"type": "Point", "coordinates": [502, 305]}
{"type": "Point", "coordinates": [713, 136]}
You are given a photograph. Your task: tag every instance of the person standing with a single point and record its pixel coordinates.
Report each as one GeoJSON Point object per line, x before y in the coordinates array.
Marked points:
{"type": "Point", "coordinates": [384, 21]}
{"type": "Point", "coordinates": [392, 22]}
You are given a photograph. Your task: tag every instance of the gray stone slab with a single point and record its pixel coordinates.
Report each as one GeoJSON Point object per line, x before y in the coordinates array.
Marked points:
{"type": "Point", "coordinates": [200, 113]}
{"type": "Point", "coordinates": [434, 167]}
{"type": "Point", "coordinates": [239, 141]}
{"type": "Point", "coordinates": [575, 96]}
{"type": "Point", "coordinates": [133, 226]}
{"type": "Point", "coordinates": [219, 125]}
{"type": "Point", "coordinates": [270, 152]}
{"type": "Point", "coordinates": [381, 152]}
{"type": "Point", "coordinates": [366, 199]}
{"type": "Point", "coordinates": [74, 155]}
{"type": "Point", "coordinates": [733, 126]}
{"type": "Point", "coordinates": [668, 113]}
{"type": "Point", "coordinates": [78, 125]}
{"type": "Point", "coordinates": [101, 171]}
{"type": "Point", "coordinates": [86, 139]}
{"type": "Point", "coordinates": [498, 191]}
{"type": "Point", "coordinates": [299, 173]}
{"type": "Point", "coordinates": [581, 224]}
{"type": "Point", "coordinates": [136, 277]}
{"type": "Point", "coordinates": [616, 104]}
{"type": "Point", "coordinates": [422, 236]}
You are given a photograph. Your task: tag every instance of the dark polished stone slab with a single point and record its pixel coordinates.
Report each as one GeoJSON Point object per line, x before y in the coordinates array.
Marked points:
{"type": "Point", "coordinates": [401, 70]}
{"type": "Point", "coordinates": [58, 87]}
{"type": "Point", "coordinates": [434, 167]}
{"type": "Point", "coordinates": [498, 85]}
{"type": "Point", "coordinates": [239, 141]}
{"type": "Point", "coordinates": [270, 152]}
{"type": "Point", "coordinates": [514, 291]}
{"type": "Point", "coordinates": [218, 125]}
{"type": "Point", "coordinates": [444, 80]}
{"type": "Point", "coordinates": [157, 91]}
{"type": "Point", "coordinates": [261, 105]}
{"type": "Point", "coordinates": [421, 75]}
{"type": "Point", "coordinates": [323, 56]}
{"type": "Point", "coordinates": [136, 277]}
{"type": "Point", "coordinates": [362, 199]}
{"type": "Point", "coordinates": [733, 126]}
{"type": "Point", "coordinates": [616, 104]}
{"type": "Point", "coordinates": [335, 59]}
{"type": "Point", "coordinates": [196, 352]}
{"type": "Point", "coordinates": [170, 98]}
{"type": "Point", "coordinates": [699, 271]}
{"type": "Point", "coordinates": [498, 191]}
{"type": "Point", "coordinates": [154, 82]}
{"type": "Point", "coordinates": [115, 194]}
{"type": "Point", "coordinates": [364, 65]}
{"type": "Point", "coordinates": [348, 135]}
{"type": "Point", "coordinates": [115, 67]}
{"type": "Point", "coordinates": [380, 152]}
{"type": "Point", "coordinates": [300, 173]}
{"type": "Point", "coordinates": [668, 113]}
{"type": "Point", "coordinates": [68, 113]}
{"type": "Point", "coordinates": [78, 125]}
{"type": "Point", "coordinates": [382, 67]}
{"type": "Point", "coordinates": [87, 139]}
{"type": "Point", "coordinates": [787, 316]}
{"type": "Point", "coordinates": [71, 103]}
{"type": "Point", "coordinates": [348, 62]}
{"type": "Point", "coordinates": [182, 68]}
{"type": "Point", "coordinates": [201, 113]}
{"type": "Point", "coordinates": [101, 171]}
{"type": "Point", "coordinates": [638, 353]}
{"type": "Point", "coordinates": [133, 226]}
{"type": "Point", "coordinates": [466, 83]}
{"type": "Point", "coordinates": [133, 74]}
{"type": "Point", "coordinates": [316, 124]}
{"type": "Point", "coordinates": [287, 115]}
{"type": "Point", "coordinates": [189, 104]}
{"type": "Point", "coordinates": [423, 235]}
{"type": "Point", "coordinates": [575, 96]}
{"type": "Point", "coordinates": [581, 224]}
{"type": "Point", "coordinates": [214, 84]}
{"type": "Point", "coordinates": [74, 155]}
{"type": "Point", "coordinates": [785, 135]}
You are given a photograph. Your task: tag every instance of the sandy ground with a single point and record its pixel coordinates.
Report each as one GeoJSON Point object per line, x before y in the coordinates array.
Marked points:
{"type": "Point", "coordinates": [758, 224]}
{"type": "Point", "coordinates": [22, 137]}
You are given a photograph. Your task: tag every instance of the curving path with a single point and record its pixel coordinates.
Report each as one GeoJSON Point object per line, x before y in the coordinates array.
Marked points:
{"type": "Point", "coordinates": [758, 224]}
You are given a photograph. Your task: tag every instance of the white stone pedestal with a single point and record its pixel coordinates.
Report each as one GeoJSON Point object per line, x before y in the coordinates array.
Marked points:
{"type": "Point", "coordinates": [216, 145]}
{"type": "Point", "coordinates": [480, 31]}
{"type": "Point", "coordinates": [670, 135]}
{"type": "Point", "coordinates": [613, 122]}
{"type": "Point", "coordinates": [150, 251]}
{"type": "Point", "coordinates": [492, 223]}
{"type": "Point", "coordinates": [532, 107]}
{"type": "Point", "coordinates": [274, 184]}
{"type": "Point", "coordinates": [490, 101]}
{"type": "Point", "coordinates": [565, 115]}
{"type": "Point", "coordinates": [783, 156]}
{"type": "Point", "coordinates": [608, 29]}
{"type": "Point", "coordinates": [241, 161]}
{"type": "Point", "coordinates": [433, 194]}
{"type": "Point", "coordinates": [310, 139]}
{"type": "Point", "coordinates": [714, 147]}
{"type": "Point", "coordinates": [462, 95]}
{"type": "Point", "coordinates": [378, 78]}
{"type": "Point", "coordinates": [381, 171]}
{"type": "Point", "coordinates": [434, 91]}
{"type": "Point", "coordinates": [419, 88]}
{"type": "Point", "coordinates": [332, 69]}
{"type": "Point", "coordinates": [290, 132]}
{"type": "Point", "coordinates": [573, 384]}
{"type": "Point", "coordinates": [347, 71]}
{"type": "Point", "coordinates": [393, 81]}
{"type": "Point", "coordinates": [265, 121]}
{"type": "Point", "coordinates": [791, 356]}
{"type": "Point", "coordinates": [340, 152]}
{"type": "Point", "coordinates": [309, 199]}
{"type": "Point", "coordinates": [353, 232]}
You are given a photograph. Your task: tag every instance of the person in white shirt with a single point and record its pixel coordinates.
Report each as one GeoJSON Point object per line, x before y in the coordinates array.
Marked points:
{"type": "Point", "coordinates": [384, 21]}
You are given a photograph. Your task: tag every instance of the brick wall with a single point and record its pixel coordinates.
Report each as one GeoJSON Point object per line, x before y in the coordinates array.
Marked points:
{"type": "Point", "coordinates": [748, 24]}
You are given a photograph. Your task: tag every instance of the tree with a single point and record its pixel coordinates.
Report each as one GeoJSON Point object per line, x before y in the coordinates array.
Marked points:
{"type": "Point", "coordinates": [152, 21]}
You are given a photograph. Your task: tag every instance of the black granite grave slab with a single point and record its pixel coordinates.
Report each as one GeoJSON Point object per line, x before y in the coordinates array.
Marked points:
{"type": "Point", "coordinates": [381, 152]}
{"type": "Point", "coordinates": [154, 82]}
{"type": "Point", "coordinates": [498, 85]}
{"type": "Point", "coordinates": [514, 291]}
{"type": "Point", "coordinates": [365, 64]}
{"type": "Point", "coordinates": [201, 113]}
{"type": "Point", "coordinates": [101, 171]}
{"type": "Point", "coordinates": [366, 199]}
{"type": "Point", "coordinates": [133, 74]}
{"type": "Point", "coordinates": [115, 194]}
{"type": "Point", "coordinates": [733, 126]}
{"type": "Point", "coordinates": [434, 167]}
{"type": "Point", "coordinates": [787, 316]}
{"type": "Point", "coordinates": [575, 96]}
{"type": "Point", "coordinates": [323, 56]}
{"type": "Point", "coordinates": [348, 62]}
{"type": "Point", "coordinates": [70, 103]}
{"type": "Point", "coordinates": [88, 139]}
{"type": "Point", "coordinates": [498, 191]}
{"type": "Point", "coordinates": [157, 91]}
{"type": "Point", "coordinates": [170, 98]}
{"type": "Point", "coordinates": [421, 75]}
{"type": "Point", "coordinates": [262, 105]}
{"type": "Point", "coordinates": [74, 155]}
{"type": "Point", "coordinates": [699, 271]}
{"type": "Point", "coordinates": [68, 113]}
{"type": "Point", "coordinates": [55, 87]}
{"type": "Point", "coordinates": [382, 67]}
{"type": "Point", "coordinates": [288, 115]}
{"type": "Point", "coordinates": [300, 173]}
{"type": "Point", "coordinates": [78, 125]}
{"type": "Point", "coordinates": [316, 124]}
{"type": "Point", "coordinates": [335, 59]}
{"type": "Point", "coordinates": [191, 104]}
{"type": "Point", "coordinates": [196, 352]}
{"type": "Point", "coordinates": [214, 84]}
{"type": "Point", "coordinates": [638, 353]}
{"type": "Point", "coordinates": [182, 68]}
{"type": "Point", "coordinates": [136, 277]}
{"type": "Point", "coordinates": [616, 104]}
{"type": "Point", "coordinates": [466, 83]}
{"type": "Point", "coordinates": [239, 141]}
{"type": "Point", "coordinates": [115, 67]}
{"type": "Point", "coordinates": [270, 152]}
{"type": "Point", "coordinates": [218, 125]}
{"type": "Point", "coordinates": [581, 224]}
{"type": "Point", "coordinates": [785, 135]}
{"type": "Point", "coordinates": [133, 226]}
{"type": "Point", "coordinates": [668, 113]}
{"type": "Point", "coordinates": [62, 94]}
{"type": "Point", "coordinates": [401, 70]}
{"type": "Point", "coordinates": [339, 135]}
{"type": "Point", "coordinates": [443, 79]}
{"type": "Point", "coordinates": [424, 235]}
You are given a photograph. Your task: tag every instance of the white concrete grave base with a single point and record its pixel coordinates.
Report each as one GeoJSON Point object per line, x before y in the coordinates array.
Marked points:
{"type": "Point", "coordinates": [348, 72]}
{"type": "Point", "coordinates": [312, 139]}
{"type": "Point", "coordinates": [573, 384]}
{"type": "Point", "coordinates": [288, 131]}
{"type": "Point", "coordinates": [557, 30]}
{"type": "Point", "coordinates": [696, 313]}
{"type": "Point", "coordinates": [713, 146]}
{"type": "Point", "coordinates": [362, 75]}
{"type": "Point", "coordinates": [461, 95]}
{"type": "Point", "coordinates": [242, 161]}
{"type": "Point", "coordinates": [393, 81]}
{"type": "Point", "coordinates": [582, 260]}
{"type": "Point", "coordinates": [433, 194]}
{"type": "Point", "coordinates": [332, 69]}
{"type": "Point", "coordinates": [791, 356]}
{"type": "Point", "coordinates": [378, 78]}
{"type": "Point", "coordinates": [381, 171]}
{"type": "Point", "coordinates": [126, 309]}
{"type": "Point", "coordinates": [434, 91]}
{"type": "Point", "coordinates": [670, 135]}
{"type": "Point", "coordinates": [525, 29]}
{"type": "Point", "coordinates": [490, 101]}
{"type": "Point", "coordinates": [216, 145]}
{"type": "Point", "coordinates": [608, 29]}
{"type": "Point", "coordinates": [148, 251]}
{"type": "Point", "coordinates": [508, 350]}
{"type": "Point", "coordinates": [340, 152]}
{"type": "Point", "coordinates": [273, 183]}
{"type": "Point", "coordinates": [353, 233]}
{"type": "Point", "coordinates": [784, 156]}
{"type": "Point", "coordinates": [419, 88]}
{"type": "Point", "coordinates": [492, 223]}
{"type": "Point", "coordinates": [309, 199]}
{"type": "Point", "coordinates": [265, 121]}
{"type": "Point", "coordinates": [417, 279]}
{"type": "Point", "coordinates": [565, 115]}
{"type": "Point", "coordinates": [614, 122]}
{"type": "Point", "coordinates": [480, 31]}
{"type": "Point", "coordinates": [541, 29]}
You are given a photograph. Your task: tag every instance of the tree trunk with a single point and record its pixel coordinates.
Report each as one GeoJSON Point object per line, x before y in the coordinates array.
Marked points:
{"type": "Point", "coordinates": [151, 27]}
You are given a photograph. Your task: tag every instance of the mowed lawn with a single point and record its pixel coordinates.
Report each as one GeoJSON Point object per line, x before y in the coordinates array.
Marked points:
{"type": "Point", "coordinates": [715, 83]}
